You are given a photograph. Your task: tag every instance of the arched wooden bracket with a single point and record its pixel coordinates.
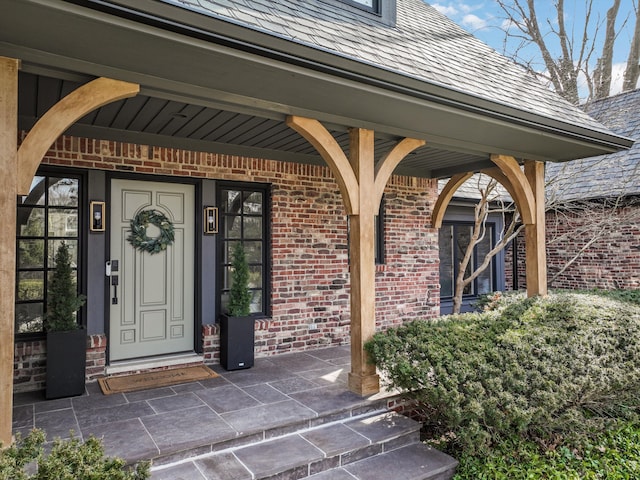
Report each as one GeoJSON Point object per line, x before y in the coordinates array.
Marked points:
{"type": "Point", "coordinates": [388, 163]}
{"type": "Point", "coordinates": [61, 116]}
{"type": "Point", "coordinates": [522, 191]}
{"type": "Point", "coordinates": [327, 146]}
{"type": "Point", "coordinates": [445, 197]}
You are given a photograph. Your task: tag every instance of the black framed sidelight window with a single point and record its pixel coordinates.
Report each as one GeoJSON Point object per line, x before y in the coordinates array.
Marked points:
{"type": "Point", "coordinates": [50, 214]}
{"type": "Point", "coordinates": [244, 211]}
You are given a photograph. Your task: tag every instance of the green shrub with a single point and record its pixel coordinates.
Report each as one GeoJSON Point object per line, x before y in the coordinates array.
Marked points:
{"type": "Point", "coordinates": [68, 460]}
{"type": "Point", "coordinates": [630, 296]}
{"type": "Point", "coordinates": [563, 365]}
{"type": "Point", "coordinates": [63, 300]}
{"type": "Point", "coordinates": [612, 455]}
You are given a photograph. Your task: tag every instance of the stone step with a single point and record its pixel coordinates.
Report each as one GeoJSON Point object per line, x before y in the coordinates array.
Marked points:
{"type": "Point", "coordinates": [411, 462]}
{"type": "Point", "coordinates": [259, 424]}
{"type": "Point", "coordinates": [346, 448]}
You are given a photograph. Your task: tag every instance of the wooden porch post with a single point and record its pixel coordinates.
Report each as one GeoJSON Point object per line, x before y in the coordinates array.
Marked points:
{"type": "Point", "coordinates": [535, 236]}
{"type": "Point", "coordinates": [361, 182]}
{"type": "Point", "coordinates": [8, 191]}
{"type": "Point", "coordinates": [363, 378]}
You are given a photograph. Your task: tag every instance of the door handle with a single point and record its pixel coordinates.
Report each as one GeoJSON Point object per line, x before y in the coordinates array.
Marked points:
{"type": "Point", "coordinates": [114, 281]}
{"type": "Point", "coordinates": [110, 268]}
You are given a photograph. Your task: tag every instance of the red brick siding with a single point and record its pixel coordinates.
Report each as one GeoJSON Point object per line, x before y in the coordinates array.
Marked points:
{"type": "Point", "coordinates": [613, 261]}
{"type": "Point", "coordinates": [310, 278]}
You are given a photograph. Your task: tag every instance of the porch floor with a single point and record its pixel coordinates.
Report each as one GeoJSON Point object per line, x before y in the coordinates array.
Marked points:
{"type": "Point", "coordinates": [166, 425]}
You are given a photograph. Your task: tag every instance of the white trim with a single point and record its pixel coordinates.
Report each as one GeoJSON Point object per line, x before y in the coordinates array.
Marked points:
{"type": "Point", "coordinates": [155, 362]}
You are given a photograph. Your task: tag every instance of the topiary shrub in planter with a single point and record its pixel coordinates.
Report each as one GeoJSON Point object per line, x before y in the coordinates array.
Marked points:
{"type": "Point", "coordinates": [562, 366]}
{"type": "Point", "coordinates": [67, 460]}
{"type": "Point", "coordinates": [237, 326]}
{"type": "Point", "coordinates": [66, 340]}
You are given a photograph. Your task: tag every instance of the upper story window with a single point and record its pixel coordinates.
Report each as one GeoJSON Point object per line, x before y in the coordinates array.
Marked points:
{"type": "Point", "coordinates": [372, 5]}
{"type": "Point", "coordinates": [378, 10]}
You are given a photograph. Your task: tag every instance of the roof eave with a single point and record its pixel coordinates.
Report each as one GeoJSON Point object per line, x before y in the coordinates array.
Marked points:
{"type": "Point", "coordinates": [404, 100]}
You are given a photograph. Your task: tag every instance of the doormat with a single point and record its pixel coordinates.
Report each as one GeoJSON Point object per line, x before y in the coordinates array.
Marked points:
{"type": "Point", "coordinates": [160, 378]}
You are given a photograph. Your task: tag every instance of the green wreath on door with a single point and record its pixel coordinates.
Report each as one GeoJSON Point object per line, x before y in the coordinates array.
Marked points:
{"type": "Point", "coordinates": [139, 238]}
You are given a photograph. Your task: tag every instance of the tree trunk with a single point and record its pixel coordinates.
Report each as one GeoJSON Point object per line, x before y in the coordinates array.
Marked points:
{"type": "Point", "coordinates": [632, 71]}
{"type": "Point", "coordinates": [602, 74]}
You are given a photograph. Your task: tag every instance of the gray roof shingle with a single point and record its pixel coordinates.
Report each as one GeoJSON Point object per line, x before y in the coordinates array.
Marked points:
{"type": "Point", "coordinates": [604, 176]}
{"type": "Point", "coordinates": [423, 44]}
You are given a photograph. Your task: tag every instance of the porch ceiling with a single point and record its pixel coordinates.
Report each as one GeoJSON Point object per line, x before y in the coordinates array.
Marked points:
{"type": "Point", "coordinates": [229, 89]}
{"type": "Point", "coordinates": [161, 121]}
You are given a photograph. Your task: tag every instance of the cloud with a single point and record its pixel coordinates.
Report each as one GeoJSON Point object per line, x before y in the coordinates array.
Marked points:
{"type": "Point", "coordinates": [617, 77]}
{"type": "Point", "coordinates": [448, 10]}
{"type": "Point", "coordinates": [474, 22]}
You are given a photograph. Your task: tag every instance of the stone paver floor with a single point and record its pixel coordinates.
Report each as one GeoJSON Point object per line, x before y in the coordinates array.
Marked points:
{"type": "Point", "coordinates": [147, 424]}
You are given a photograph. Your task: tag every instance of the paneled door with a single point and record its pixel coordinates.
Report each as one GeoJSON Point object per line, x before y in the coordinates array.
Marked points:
{"type": "Point", "coordinates": [152, 305]}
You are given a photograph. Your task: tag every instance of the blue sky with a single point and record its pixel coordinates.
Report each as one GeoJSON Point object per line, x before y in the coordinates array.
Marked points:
{"type": "Point", "coordinates": [486, 20]}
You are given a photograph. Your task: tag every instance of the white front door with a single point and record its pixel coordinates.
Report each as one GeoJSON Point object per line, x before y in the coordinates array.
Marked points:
{"type": "Point", "coordinates": [152, 307]}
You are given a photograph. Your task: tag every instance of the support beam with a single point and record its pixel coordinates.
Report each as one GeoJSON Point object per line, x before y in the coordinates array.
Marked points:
{"type": "Point", "coordinates": [363, 378]}
{"type": "Point", "coordinates": [361, 183]}
{"type": "Point", "coordinates": [535, 233]}
{"type": "Point", "coordinates": [8, 147]}
{"type": "Point", "coordinates": [61, 116]}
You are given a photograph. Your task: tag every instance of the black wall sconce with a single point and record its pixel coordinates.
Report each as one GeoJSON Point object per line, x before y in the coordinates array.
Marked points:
{"type": "Point", "coordinates": [96, 219]}
{"type": "Point", "coordinates": [210, 220]}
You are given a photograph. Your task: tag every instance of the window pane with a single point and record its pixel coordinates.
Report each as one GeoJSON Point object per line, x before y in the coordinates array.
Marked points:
{"type": "Point", "coordinates": [30, 286]}
{"type": "Point", "coordinates": [228, 251]}
{"type": "Point", "coordinates": [36, 193]}
{"type": "Point", "coordinates": [485, 279]}
{"type": "Point", "coordinates": [63, 192]}
{"type": "Point", "coordinates": [232, 226]}
{"type": "Point", "coordinates": [461, 242]}
{"type": "Point", "coordinates": [73, 252]}
{"type": "Point", "coordinates": [255, 276]}
{"type": "Point", "coordinates": [256, 301]}
{"type": "Point", "coordinates": [445, 236]}
{"type": "Point", "coordinates": [31, 254]}
{"type": "Point", "coordinates": [30, 222]}
{"type": "Point", "coordinates": [231, 201]}
{"type": "Point", "coordinates": [63, 223]}
{"type": "Point", "coordinates": [253, 250]}
{"type": "Point", "coordinates": [252, 227]}
{"type": "Point", "coordinates": [29, 318]}
{"type": "Point", "coordinates": [252, 203]}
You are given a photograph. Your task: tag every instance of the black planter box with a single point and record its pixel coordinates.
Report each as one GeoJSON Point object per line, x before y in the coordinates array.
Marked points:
{"type": "Point", "coordinates": [66, 363]}
{"type": "Point", "coordinates": [236, 342]}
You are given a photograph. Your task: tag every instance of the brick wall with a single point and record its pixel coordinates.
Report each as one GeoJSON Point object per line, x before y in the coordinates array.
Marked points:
{"type": "Point", "coordinates": [310, 278]}
{"type": "Point", "coordinates": [612, 261]}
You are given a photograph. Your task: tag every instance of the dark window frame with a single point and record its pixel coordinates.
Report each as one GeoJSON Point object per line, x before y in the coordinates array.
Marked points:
{"type": "Point", "coordinates": [375, 8]}
{"type": "Point", "coordinates": [380, 234]}
{"type": "Point", "coordinates": [383, 11]}
{"type": "Point", "coordinates": [265, 190]}
{"type": "Point", "coordinates": [80, 238]}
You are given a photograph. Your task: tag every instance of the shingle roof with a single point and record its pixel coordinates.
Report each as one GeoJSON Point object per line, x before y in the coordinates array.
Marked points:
{"type": "Point", "coordinates": [605, 176]}
{"type": "Point", "coordinates": [423, 44]}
